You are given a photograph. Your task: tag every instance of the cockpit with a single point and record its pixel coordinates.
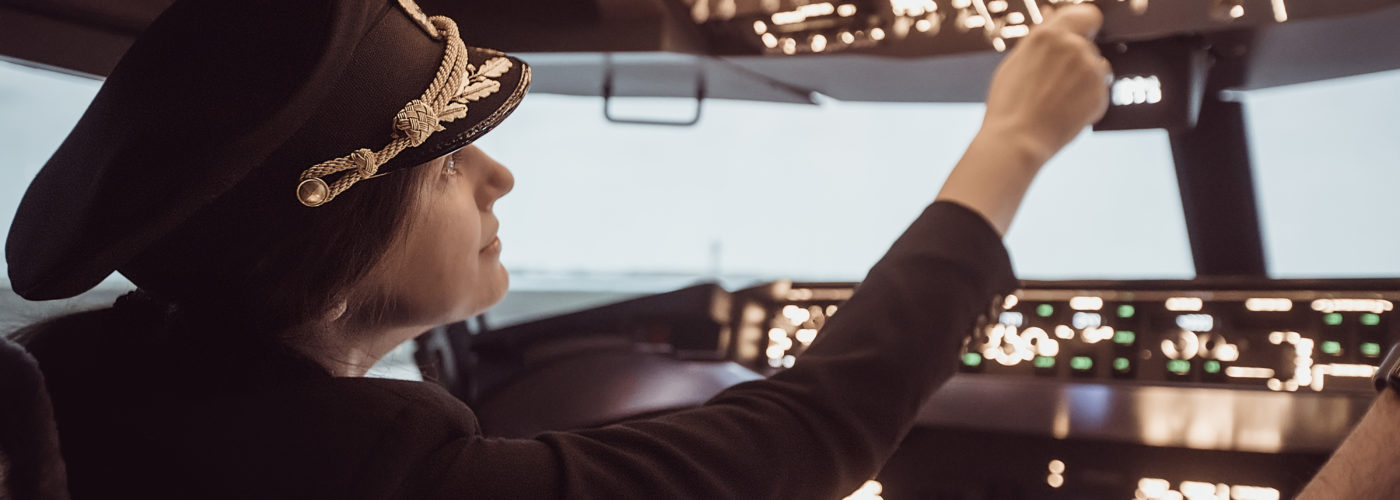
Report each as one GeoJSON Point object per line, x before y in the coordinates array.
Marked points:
{"type": "Point", "coordinates": [1209, 283]}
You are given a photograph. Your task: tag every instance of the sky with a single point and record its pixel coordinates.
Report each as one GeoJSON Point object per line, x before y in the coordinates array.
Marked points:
{"type": "Point", "coordinates": [761, 190]}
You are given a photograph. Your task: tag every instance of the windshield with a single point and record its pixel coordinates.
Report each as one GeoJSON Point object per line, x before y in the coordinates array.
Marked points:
{"type": "Point", "coordinates": [763, 191]}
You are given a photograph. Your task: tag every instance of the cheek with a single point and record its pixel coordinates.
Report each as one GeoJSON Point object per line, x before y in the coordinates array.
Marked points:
{"type": "Point", "coordinates": [449, 263]}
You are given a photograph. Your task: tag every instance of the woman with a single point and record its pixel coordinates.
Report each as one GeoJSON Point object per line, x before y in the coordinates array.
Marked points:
{"type": "Point", "coordinates": [292, 189]}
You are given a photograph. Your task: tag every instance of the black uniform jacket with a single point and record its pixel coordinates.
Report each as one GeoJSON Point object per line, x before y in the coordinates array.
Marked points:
{"type": "Point", "coordinates": [137, 421]}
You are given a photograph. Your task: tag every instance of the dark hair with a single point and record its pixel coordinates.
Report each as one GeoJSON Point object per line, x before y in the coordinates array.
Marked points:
{"type": "Point", "coordinates": [257, 263]}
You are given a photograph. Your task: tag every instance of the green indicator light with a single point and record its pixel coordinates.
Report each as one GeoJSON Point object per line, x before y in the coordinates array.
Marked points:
{"type": "Point", "coordinates": [972, 359]}
{"type": "Point", "coordinates": [1371, 349]}
{"type": "Point", "coordinates": [1332, 319]}
{"type": "Point", "coordinates": [1081, 363]}
{"type": "Point", "coordinates": [1044, 362]}
{"type": "Point", "coordinates": [1331, 347]}
{"type": "Point", "coordinates": [1121, 364]}
{"type": "Point", "coordinates": [1125, 337]}
{"type": "Point", "coordinates": [1370, 319]}
{"type": "Point", "coordinates": [1179, 366]}
{"type": "Point", "coordinates": [1126, 311]}
{"type": "Point", "coordinates": [1044, 310]}
{"type": "Point", "coordinates": [1212, 366]}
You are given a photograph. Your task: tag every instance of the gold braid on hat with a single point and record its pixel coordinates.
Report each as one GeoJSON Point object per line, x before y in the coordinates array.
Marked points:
{"type": "Point", "coordinates": [457, 83]}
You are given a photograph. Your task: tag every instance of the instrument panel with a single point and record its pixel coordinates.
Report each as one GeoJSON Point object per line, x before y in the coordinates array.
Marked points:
{"type": "Point", "coordinates": [1280, 337]}
{"type": "Point", "coordinates": [926, 27]}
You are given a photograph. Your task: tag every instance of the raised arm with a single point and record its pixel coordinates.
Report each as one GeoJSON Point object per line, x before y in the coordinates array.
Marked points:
{"type": "Point", "coordinates": [820, 429]}
{"type": "Point", "coordinates": [1047, 90]}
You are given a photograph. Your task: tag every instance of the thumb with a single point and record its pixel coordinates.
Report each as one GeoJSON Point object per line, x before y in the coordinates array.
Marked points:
{"type": "Point", "coordinates": [1083, 19]}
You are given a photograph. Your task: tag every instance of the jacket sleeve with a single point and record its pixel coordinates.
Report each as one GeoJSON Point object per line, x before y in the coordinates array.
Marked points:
{"type": "Point", "coordinates": [815, 431]}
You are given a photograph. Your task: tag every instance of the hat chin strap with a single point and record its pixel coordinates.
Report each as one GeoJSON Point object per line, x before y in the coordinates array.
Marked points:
{"type": "Point", "coordinates": [457, 83]}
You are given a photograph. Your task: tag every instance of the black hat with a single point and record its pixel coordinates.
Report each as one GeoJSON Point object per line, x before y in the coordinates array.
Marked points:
{"type": "Point", "coordinates": [306, 96]}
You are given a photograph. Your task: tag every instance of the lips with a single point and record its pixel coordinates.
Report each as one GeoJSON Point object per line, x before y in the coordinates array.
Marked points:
{"type": "Point", "coordinates": [493, 246]}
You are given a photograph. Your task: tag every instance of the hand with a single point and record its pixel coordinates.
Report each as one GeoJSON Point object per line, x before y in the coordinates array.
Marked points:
{"type": "Point", "coordinates": [1052, 84]}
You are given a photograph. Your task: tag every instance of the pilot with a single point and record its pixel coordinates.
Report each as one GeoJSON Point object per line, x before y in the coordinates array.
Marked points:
{"type": "Point", "coordinates": [292, 187]}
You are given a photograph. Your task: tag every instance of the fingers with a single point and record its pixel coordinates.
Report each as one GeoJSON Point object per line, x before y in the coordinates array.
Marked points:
{"type": "Point", "coordinates": [1081, 19]}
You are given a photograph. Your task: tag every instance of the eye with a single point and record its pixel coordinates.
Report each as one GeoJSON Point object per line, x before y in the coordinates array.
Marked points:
{"type": "Point", "coordinates": [450, 166]}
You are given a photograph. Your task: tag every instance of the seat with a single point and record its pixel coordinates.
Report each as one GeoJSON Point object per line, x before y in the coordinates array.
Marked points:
{"type": "Point", "coordinates": [31, 466]}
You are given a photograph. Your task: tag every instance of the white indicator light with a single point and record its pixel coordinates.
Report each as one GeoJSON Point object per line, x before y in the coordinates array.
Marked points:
{"type": "Point", "coordinates": [1184, 304]}
{"type": "Point", "coordinates": [1198, 490]}
{"type": "Point", "coordinates": [770, 41]}
{"type": "Point", "coordinates": [1268, 305]}
{"type": "Point", "coordinates": [760, 27]}
{"type": "Point", "coordinates": [1237, 12]}
{"type": "Point", "coordinates": [1352, 305]}
{"type": "Point", "coordinates": [1096, 335]}
{"type": "Point", "coordinates": [1057, 467]}
{"type": "Point", "coordinates": [1086, 303]}
{"type": "Point", "coordinates": [818, 43]}
{"type": "Point", "coordinates": [1350, 370]}
{"type": "Point", "coordinates": [1248, 372]}
{"type": "Point", "coordinates": [1186, 346]}
{"type": "Point", "coordinates": [803, 13]}
{"type": "Point", "coordinates": [1012, 318]}
{"type": "Point", "coordinates": [1275, 338]}
{"type": "Point", "coordinates": [1253, 493]}
{"type": "Point", "coordinates": [1280, 11]}
{"type": "Point", "coordinates": [777, 334]}
{"type": "Point", "coordinates": [1196, 322]}
{"type": "Point", "coordinates": [1084, 320]}
{"type": "Point", "coordinates": [806, 335]}
{"type": "Point", "coordinates": [1016, 31]}
{"type": "Point", "coordinates": [796, 315]}
{"type": "Point", "coordinates": [1153, 487]}
{"type": "Point", "coordinates": [974, 23]}
{"type": "Point", "coordinates": [848, 38]}
{"type": "Point", "coordinates": [1137, 90]}
{"type": "Point", "coordinates": [1064, 332]}
{"type": "Point", "coordinates": [877, 34]}
{"type": "Point", "coordinates": [1226, 352]}
{"type": "Point", "coordinates": [846, 10]}
{"type": "Point", "coordinates": [1055, 480]}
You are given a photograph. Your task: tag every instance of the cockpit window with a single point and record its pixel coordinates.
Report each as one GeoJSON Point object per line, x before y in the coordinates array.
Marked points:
{"type": "Point", "coordinates": [37, 109]}
{"type": "Point", "coordinates": [1326, 171]}
{"type": "Point", "coordinates": [807, 192]}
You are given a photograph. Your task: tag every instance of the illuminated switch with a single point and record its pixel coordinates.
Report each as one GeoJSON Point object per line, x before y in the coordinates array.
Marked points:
{"type": "Point", "coordinates": [1044, 362]}
{"type": "Point", "coordinates": [1044, 310]}
{"type": "Point", "coordinates": [1370, 319]}
{"type": "Point", "coordinates": [1211, 366]}
{"type": "Point", "coordinates": [1124, 337]}
{"type": "Point", "coordinates": [1123, 368]}
{"type": "Point", "coordinates": [1081, 363]}
{"type": "Point", "coordinates": [1332, 319]}
{"type": "Point", "coordinates": [1179, 366]}
{"type": "Point", "coordinates": [1126, 311]}
{"type": "Point", "coordinates": [972, 360]}
{"type": "Point", "coordinates": [1331, 347]}
{"type": "Point", "coordinates": [1370, 349]}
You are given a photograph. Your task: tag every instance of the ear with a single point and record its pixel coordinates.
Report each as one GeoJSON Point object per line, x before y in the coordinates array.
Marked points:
{"type": "Point", "coordinates": [336, 311]}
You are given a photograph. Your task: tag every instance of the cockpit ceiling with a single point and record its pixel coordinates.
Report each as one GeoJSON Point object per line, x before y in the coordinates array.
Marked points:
{"type": "Point", "coordinates": [856, 50]}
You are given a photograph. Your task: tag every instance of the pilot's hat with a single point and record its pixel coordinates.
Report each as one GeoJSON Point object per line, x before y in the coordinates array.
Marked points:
{"type": "Point", "coordinates": [294, 102]}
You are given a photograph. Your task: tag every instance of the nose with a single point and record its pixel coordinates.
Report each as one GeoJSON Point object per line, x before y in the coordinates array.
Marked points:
{"type": "Point", "coordinates": [497, 180]}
